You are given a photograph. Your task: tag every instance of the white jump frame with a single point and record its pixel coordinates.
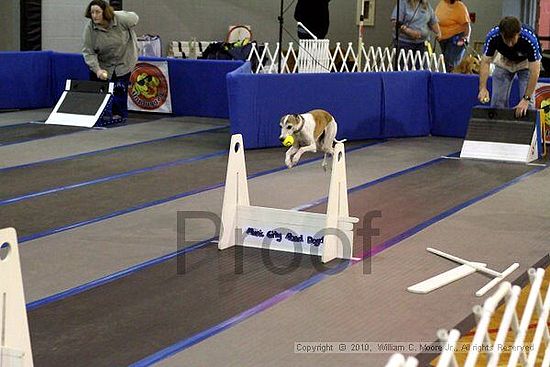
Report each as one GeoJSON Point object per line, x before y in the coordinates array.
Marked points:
{"type": "Point", "coordinates": [262, 227]}
{"type": "Point", "coordinates": [73, 119]}
{"type": "Point", "coordinates": [15, 343]}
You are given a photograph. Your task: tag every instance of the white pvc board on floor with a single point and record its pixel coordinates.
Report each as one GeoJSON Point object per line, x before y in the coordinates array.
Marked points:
{"type": "Point", "coordinates": [443, 279]}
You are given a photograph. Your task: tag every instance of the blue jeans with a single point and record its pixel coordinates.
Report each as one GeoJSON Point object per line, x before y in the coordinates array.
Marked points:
{"type": "Point", "coordinates": [502, 85]}
{"type": "Point", "coordinates": [452, 53]}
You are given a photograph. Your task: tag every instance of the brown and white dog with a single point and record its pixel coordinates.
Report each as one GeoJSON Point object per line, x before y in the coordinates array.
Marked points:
{"type": "Point", "coordinates": [312, 131]}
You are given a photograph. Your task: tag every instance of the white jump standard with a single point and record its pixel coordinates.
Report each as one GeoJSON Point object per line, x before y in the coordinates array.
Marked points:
{"type": "Point", "coordinates": [15, 343]}
{"type": "Point", "coordinates": [327, 235]}
{"type": "Point", "coordinates": [496, 134]}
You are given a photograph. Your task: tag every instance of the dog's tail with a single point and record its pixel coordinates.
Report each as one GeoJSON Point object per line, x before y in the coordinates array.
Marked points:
{"type": "Point", "coordinates": [336, 141]}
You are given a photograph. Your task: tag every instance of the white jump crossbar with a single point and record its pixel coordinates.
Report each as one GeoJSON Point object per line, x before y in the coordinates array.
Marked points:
{"type": "Point", "coordinates": [327, 235]}
{"type": "Point", "coordinates": [471, 264]}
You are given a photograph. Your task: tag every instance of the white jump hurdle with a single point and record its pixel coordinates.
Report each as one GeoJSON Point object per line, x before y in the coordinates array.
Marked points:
{"type": "Point", "coordinates": [467, 268]}
{"type": "Point", "coordinates": [523, 351]}
{"type": "Point", "coordinates": [327, 235]}
{"type": "Point", "coordinates": [15, 343]}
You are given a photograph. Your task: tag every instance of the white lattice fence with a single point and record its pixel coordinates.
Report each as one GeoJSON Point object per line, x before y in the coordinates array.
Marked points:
{"type": "Point", "coordinates": [315, 56]}
{"type": "Point", "coordinates": [512, 334]}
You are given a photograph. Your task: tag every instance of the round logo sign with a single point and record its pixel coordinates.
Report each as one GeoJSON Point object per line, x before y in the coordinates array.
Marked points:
{"type": "Point", "coordinates": [542, 101]}
{"type": "Point", "coordinates": [542, 94]}
{"type": "Point", "coordinates": [148, 86]}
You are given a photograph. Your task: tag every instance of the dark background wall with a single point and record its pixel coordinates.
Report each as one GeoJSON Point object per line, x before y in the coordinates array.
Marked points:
{"type": "Point", "coordinates": [208, 20]}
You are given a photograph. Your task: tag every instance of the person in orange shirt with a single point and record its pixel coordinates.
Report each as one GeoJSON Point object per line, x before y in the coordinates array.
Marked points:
{"type": "Point", "coordinates": [454, 22]}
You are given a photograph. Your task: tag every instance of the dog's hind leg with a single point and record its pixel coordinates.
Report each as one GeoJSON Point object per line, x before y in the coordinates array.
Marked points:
{"type": "Point", "coordinates": [327, 144]}
{"type": "Point", "coordinates": [324, 164]}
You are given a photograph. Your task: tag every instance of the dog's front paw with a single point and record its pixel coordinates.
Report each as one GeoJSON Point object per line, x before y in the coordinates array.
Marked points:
{"type": "Point", "coordinates": [288, 163]}
{"type": "Point", "coordinates": [295, 160]}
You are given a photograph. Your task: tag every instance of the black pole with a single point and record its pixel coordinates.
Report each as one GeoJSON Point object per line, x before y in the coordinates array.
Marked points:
{"type": "Point", "coordinates": [397, 26]}
{"type": "Point", "coordinates": [30, 25]}
{"type": "Point", "coordinates": [281, 21]}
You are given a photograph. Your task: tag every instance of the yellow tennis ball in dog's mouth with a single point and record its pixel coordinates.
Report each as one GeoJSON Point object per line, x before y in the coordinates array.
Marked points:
{"type": "Point", "coordinates": [289, 140]}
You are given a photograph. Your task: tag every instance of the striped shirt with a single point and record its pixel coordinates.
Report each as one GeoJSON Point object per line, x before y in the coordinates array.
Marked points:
{"type": "Point", "coordinates": [527, 48]}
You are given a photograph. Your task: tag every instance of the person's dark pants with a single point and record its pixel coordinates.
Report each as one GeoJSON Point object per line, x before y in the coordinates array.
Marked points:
{"type": "Point", "coordinates": [120, 93]}
{"type": "Point", "coordinates": [304, 35]}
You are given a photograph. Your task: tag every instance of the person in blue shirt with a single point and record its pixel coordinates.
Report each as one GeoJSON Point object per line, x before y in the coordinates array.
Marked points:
{"type": "Point", "coordinates": [519, 54]}
{"type": "Point", "coordinates": [416, 20]}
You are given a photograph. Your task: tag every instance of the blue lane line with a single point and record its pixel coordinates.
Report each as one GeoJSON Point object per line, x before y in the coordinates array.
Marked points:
{"type": "Point", "coordinates": [114, 148]}
{"type": "Point", "coordinates": [161, 201]}
{"type": "Point", "coordinates": [112, 277]}
{"type": "Point", "coordinates": [14, 124]}
{"type": "Point", "coordinates": [52, 136]}
{"type": "Point", "coordinates": [412, 231]}
{"type": "Point", "coordinates": [186, 343]}
{"type": "Point", "coordinates": [377, 181]}
{"type": "Point", "coordinates": [113, 177]}
{"type": "Point", "coordinates": [138, 267]}
{"type": "Point", "coordinates": [41, 138]}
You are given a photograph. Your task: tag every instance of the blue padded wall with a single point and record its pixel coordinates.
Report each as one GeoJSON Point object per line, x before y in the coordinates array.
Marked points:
{"type": "Point", "coordinates": [199, 87]}
{"type": "Point", "coordinates": [365, 105]}
{"type": "Point", "coordinates": [406, 104]}
{"type": "Point", "coordinates": [26, 80]}
{"type": "Point", "coordinates": [37, 79]}
{"type": "Point", "coordinates": [452, 98]}
{"type": "Point", "coordinates": [257, 103]}
{"type": "Point", "coordinates": [66, 66]}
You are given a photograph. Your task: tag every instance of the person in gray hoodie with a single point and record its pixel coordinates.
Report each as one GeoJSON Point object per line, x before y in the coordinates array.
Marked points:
{"type": "Point", "coordinates": [110, 50]}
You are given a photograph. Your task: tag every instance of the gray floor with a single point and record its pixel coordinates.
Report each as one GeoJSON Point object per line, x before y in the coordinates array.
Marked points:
{"type": "Point", "coordinates": [94, 140]}
{"type": "Point", "coordinates": [123, 241]}
{"type": "Point", "coordinates": [24, 116]}
{"type": "Point", "coordinates": [509, 226]}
